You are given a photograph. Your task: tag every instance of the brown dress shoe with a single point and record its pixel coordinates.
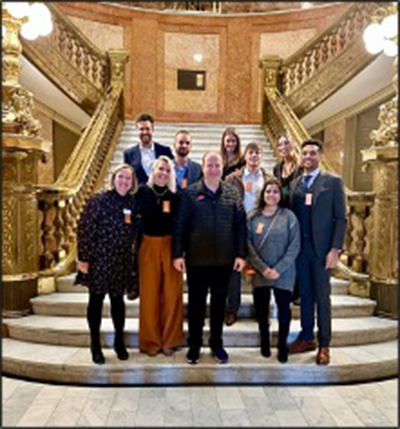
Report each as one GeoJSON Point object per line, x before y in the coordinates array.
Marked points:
{"type": "Point", "coordinates": [230, 318]}
{"type": "Point", "coordinates": [323, 357]}
{"type": "Point", "coordinates": [300, 346]}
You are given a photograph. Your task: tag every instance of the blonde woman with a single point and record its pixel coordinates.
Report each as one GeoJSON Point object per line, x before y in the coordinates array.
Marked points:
{"type": "Point", "coordinates": [106, 232]}
{"type": "Point", "coordinates": [161, 285]}
{"type": "Point", "coordinates": [288, 168]}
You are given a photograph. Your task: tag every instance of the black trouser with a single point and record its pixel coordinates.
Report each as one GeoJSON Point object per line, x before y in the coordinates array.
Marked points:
{"type": "Point", "coordinates": [94, 311]}
{"type": "Point", "coordinates": [262, 297]}
{"type": "Point", "coordinates": [199, 280]}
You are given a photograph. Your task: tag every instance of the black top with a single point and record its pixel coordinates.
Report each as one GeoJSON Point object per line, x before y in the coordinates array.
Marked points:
{"type": "Point", "coordinates": [210, 229]}
{"type": "Point", "coordinates": [157, 207]}
{"type": "Point", "coordinates": [286, 181]}
{"type": "Point", "coordinates": [228, 169]}
{"type": "Point", "coordinates": [106, 232]}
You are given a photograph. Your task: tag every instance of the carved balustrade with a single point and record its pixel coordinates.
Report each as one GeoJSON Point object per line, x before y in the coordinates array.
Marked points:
{"type": "Point", "coordinates": [61, 204]}
{"type": "Point", "coordinates": [81, 53]}
{"type": "Point", "coordinates": [71, 61]}
{"type": "Point", "coordinates": [325, 47]}
{"type": "Point", "coordinates": [359, 231]}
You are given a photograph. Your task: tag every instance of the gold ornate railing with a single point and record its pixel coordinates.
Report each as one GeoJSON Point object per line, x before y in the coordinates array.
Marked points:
{"type": "Point", "coordinates": [327, 61]}
{"type": "Point", "coordinates": [71, 61]}
{"type": "Point", "coordinates": [61, 204]}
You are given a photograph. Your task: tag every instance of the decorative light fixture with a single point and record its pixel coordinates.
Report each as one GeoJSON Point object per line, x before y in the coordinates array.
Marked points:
{"type": "Point", "coordinates": [382, 33]}
{"type": "Point", "coordinates": [198, 57]}
{"type": "Point", "coordinates": [306, 4]}
{"type": "Point", "coordinates": [35, 18]}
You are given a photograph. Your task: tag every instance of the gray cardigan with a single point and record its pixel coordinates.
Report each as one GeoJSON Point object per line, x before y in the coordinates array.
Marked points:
{"type": "Point", "coordinates": [279, 250]}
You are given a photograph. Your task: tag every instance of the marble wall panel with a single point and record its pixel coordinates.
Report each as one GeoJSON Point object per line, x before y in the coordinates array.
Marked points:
{"type": "Point", "coordinates": [179, 51]}
{"type": "Point", "coordinates": [104, 36]}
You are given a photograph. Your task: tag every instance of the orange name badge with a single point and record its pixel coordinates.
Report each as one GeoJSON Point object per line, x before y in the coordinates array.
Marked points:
{"type": "Point", "coordinates": [259, 228]}
{"type": "Point", "coordinates": [127, 215]}
{"type": "Point", "coordinates": [184, 183]}
{"type": "Point", "coordinates": [308, 199]}
{"type": "Point", "coordinates": [166, 206]}
{"type": "Point", "coordinates": [249, 187]}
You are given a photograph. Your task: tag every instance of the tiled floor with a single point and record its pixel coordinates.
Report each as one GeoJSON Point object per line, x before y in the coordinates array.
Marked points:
{"type": "Point", "coordinates": [39, 405]}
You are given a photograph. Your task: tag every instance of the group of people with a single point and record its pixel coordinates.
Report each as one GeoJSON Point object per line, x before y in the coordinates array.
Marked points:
{"type": "Point", "coordinates": [166, 214]}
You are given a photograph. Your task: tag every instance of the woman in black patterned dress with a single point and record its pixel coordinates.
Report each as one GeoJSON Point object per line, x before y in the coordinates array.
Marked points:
{"type": "Point", "coordinates": [106, 235]}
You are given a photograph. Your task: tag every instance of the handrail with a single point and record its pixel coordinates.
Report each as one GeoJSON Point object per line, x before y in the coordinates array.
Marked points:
{"type": "Point", "coordinates": [61, 204]}
{"type": "Point", "coordinates": [70, 61]}
{"type": "Point", "coordinates": [325, 46]}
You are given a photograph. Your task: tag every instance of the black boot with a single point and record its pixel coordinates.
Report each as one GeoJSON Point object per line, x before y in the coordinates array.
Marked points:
{"type": "Point", "coordinates": [265, 345]}
{"type": "Point", "coordinates": [97, 354]}
{"type": "Point", "coordinates": [119, 347]}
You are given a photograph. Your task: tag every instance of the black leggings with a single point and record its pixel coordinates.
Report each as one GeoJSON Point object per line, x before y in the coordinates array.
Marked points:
{"type": "Point", "coordinates": [262, 296]}
{"type": "Point", "coordinates": [94, 311]}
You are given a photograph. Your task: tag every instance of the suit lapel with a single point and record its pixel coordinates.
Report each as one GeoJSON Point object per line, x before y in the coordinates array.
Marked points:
{"type": "Point", "coordinates": [318, 186]}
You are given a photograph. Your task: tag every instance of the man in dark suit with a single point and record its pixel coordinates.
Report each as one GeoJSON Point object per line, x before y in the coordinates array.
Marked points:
{"type": "Point", "coordinates": [142, 156]}
{"type": "Point", "coordinates": [187, 170]}
{"type": "Point", "coordinates": [319, 201]}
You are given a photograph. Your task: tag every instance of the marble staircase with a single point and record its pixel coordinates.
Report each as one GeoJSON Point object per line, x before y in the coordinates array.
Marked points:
{"type": "Point", "coordinates": [52, 344]}
{"type": "Point", "coordinates": [205, 137]}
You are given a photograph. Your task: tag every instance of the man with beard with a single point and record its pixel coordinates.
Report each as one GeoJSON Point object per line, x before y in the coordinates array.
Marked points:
{"type": "Point", "coordinates": [142, 156]}
{"type": "Point", "coordinates": [187, 171]}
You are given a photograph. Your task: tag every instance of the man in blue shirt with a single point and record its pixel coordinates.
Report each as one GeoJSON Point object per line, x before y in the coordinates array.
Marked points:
{"type": "Point", "coordinates": [142, 156]}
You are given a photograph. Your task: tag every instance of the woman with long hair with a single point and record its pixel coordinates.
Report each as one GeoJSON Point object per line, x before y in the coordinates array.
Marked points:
{"type": "Point", "coordinates": [288, 168]}
{"type": "Point", "coordinates": [274, 243]}
{"type": "Point", "coordinates": [161, 285]}
{"type": "Point", "coordinates": [231, 152]}
{"type": "Point", "coordinates": [106, 255]}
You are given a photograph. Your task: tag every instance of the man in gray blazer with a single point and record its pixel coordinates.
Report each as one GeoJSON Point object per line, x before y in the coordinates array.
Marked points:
{"type": "Point", "coordinates": [187, 170]}
{"type": "Point", "coordinates": [319, 201]}
{"type": "Point", "coordinates": [142, 156]}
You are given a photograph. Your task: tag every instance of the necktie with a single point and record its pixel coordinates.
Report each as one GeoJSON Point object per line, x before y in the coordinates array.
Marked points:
{"type": "Point", "coordinates": [306, 181]}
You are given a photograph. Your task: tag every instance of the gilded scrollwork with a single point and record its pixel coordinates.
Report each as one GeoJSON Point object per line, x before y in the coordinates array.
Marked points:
{"type": "Point", "coordinates": [9, 230]}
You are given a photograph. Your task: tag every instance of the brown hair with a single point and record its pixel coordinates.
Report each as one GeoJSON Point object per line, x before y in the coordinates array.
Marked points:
{"type": "Point", "coordinates": [260, 200]}
{"type": "Point", "coordinates": [253, 146]}
{"type": "Point", "coordinates": [238, 151]}
{"type": "Point", "coordinates": [117, 170]}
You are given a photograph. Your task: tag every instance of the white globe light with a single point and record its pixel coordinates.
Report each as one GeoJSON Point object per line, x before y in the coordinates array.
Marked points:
{"type": "Point", "coordinates": [17, 9]}
{"type": "Point", "coordinates": [45, 28]}
{"type": "Point", "coordinates": [375, 46]}
{"type": "Point", "coordinates": [372, 32]}
{"type": "Point", "coordinates": [389, 26]}
{"type": "Point", "coordinates": [38, 13]}
{"type": "Point", "coordinates": [390, 48]}
{"type": "Point", "coordinates": [29, 32]}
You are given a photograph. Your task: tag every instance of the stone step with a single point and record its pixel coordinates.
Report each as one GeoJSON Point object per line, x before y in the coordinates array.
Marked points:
{"type": "Point", "coordinates": [74, 305]}
{"type": "Point", "coordinates": [73, 365]}
{"type": "Point", "coordinates": [65, 285]}
{"type": "Point", "coordinates": [73, 331]}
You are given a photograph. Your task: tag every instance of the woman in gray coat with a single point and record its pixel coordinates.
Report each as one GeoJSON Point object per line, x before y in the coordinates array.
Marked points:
{"type": "Point", "coordinates": [274, 243]}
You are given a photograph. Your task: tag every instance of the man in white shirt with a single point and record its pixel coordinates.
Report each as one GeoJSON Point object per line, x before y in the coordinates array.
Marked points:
{"type": "Point", "coordinates": [249, 180]}
{"type": "Point", "coordinates": [142, 156]}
